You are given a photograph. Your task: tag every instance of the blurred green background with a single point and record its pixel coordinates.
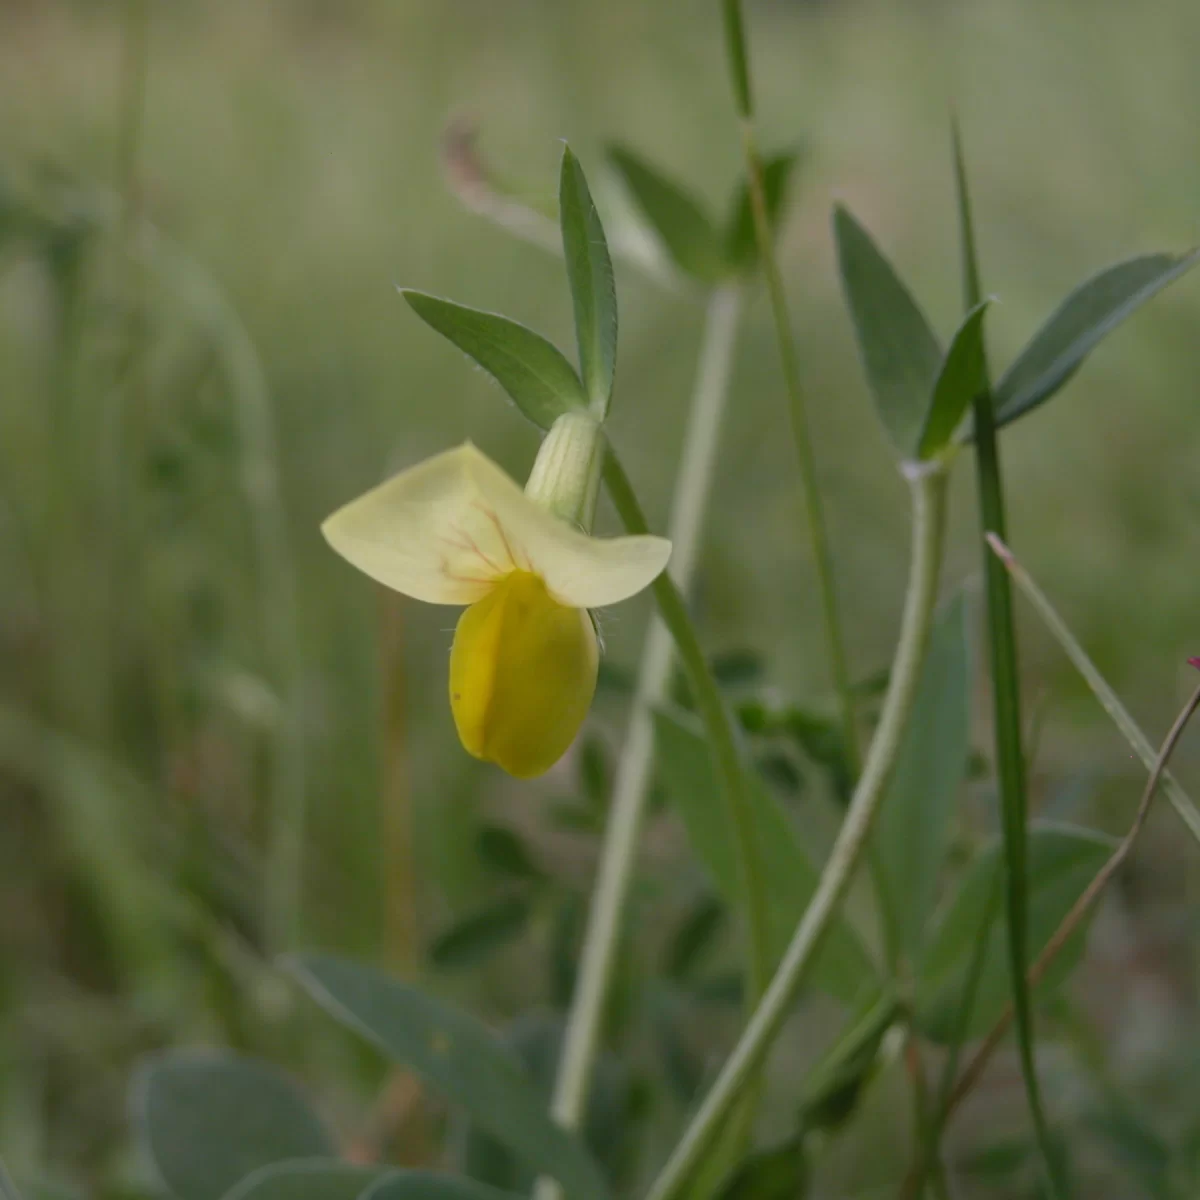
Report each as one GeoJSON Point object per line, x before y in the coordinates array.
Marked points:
{"type": "Point", "coordinates": [183, 662]}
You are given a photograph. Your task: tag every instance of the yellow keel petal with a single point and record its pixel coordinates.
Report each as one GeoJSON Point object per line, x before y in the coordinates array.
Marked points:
{"type": "Point", "coordinates": [522, 675]}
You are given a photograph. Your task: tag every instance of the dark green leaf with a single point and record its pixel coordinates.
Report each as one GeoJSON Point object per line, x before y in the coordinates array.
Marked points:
{"type": "Point", "coordinates": [914, 823]}
{"type": "Point", "coordinates": [1062, 861]}
{"type": "Point", "coordinates": [735, 48]}
{"type": "Point", "coordinates": [737, 668]}
{"type": "Point", "coordinates": [457, 1055]}
{"type": "Point", "coordinates": [816, 735]}
{"type": "Point", "coordinates": [899, 350]}
{"type": "Point", "coordinates": [694, 936]}
{"type": "Point", "coordinates": [777, 1173]}
{"type": "Point", "coordinates": [963, 375]}
{"type": "Point", "coordinates": [504, 851]}
{"type": "Point", "coordinates": [1078, 325]}
{"type": "Point", "coordinates": [741, 244]}
{"type": "Point", "coordinates": [842, 966]}
{"type": "Point", "coordinates": [207, 1119]}
{"type": "Point", "coordinates": [836, 1080]}
{"type": "Point", "coordinates": [688, 236]}
{"type": "Point", "coordinates": [593, 291]}
{"type": "Point", "coordinates": [541, 382]}
{"type": "Point", "coordinates": [307, 1179]}
{"type": "Point", "coordinates": [472, 938]}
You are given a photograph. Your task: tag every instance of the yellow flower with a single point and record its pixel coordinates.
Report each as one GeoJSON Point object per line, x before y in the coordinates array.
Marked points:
{"type": "Point", "coordinates": [456, 529]}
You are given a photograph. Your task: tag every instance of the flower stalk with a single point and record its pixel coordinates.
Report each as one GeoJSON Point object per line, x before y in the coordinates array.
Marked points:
{"type": "Point", "coordinates": [631, 786]}
{"type": "Point", "coordinates": [928, 487]}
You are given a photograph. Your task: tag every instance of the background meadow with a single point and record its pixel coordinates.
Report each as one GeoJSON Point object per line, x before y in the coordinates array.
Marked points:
{"type": "Point", "coordinates": [181, 656]}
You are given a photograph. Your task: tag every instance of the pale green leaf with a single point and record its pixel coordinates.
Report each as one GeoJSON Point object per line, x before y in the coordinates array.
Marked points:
{"type": "Point", "coordinates": [457, 1055]}
{"type": "Point", "coordinates": [541, 382]}
{"type": "Point", "coordinates": [1079, 324]}
{"type": "Point", "coordinates": [962, 376]}
{"type": "Point", "coordinates": [899, 350]}
{"type": "Point", "coordinates": [207, 1119]}
{"type": "Point", "coordinates": [914, 823]}
{"type": "Point", "coordinates": [677, 218]}
{"type": "Point", "coordinates": [593, 289]}
{"type": "Point", "coordinates": [842, 967]}
{"type": "Point", "coordinates": [1062, 861]}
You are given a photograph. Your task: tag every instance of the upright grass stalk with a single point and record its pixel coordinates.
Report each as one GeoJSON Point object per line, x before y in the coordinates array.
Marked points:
{"type": "Point", "coordinates": [1006, 695]}
{"type": "Point", "coordinates": [631, 786]}
{"type": "Point", "coordinates": [739, 62]}
{"type": "Point", "coordinates": [928, 487]}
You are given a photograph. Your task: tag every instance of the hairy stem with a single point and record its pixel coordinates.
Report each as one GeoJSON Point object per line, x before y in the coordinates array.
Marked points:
{"type": "Point", "coordinates": [928, 485]}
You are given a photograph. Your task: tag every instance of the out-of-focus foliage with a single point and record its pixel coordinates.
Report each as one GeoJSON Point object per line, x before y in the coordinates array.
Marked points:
{"type": "Point", "coordinates": [184, 394]}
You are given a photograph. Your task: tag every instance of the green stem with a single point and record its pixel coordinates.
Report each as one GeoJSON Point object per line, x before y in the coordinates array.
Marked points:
{"type": "Point", "coordinates": [630, 789]}
{"type": "Point", "coordinates": [797, 407]}
{"type": "Point", "coordinates": [1006, 695]}
{"type": "Point", "coordinates": [928, 487]}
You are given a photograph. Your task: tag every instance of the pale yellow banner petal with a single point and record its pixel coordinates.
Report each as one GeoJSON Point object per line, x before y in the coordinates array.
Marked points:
{"type": "Point", "coordinates": [579, 570]}
{"type": "Point", "coordinates": [428, 532]}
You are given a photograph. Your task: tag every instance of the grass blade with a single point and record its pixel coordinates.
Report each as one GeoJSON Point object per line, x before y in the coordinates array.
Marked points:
{"type": "Point", "coordinates": [1006, 697]}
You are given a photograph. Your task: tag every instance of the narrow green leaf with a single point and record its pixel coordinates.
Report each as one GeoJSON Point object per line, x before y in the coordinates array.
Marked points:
{"type": "Point", "coordinates": [593, 290]}
{"type": "Point", "coordinates": [739, 65]}
{"type": "Point", "coordinates": [741, 244]}
{"type": "Point", "coordinates": [684, 228]}
{"type": "Point", "coordinates": [1062, 862]}
{"type": "Point", "coordinates": [431, 1185]}
{"type": "Point", "coordinates": [457, 1055]}
{"type": "Point", "coordinates": [913, 827]}
{"type": "Point", "coordinates": [207, 1119]}
{"type": "Point", "coordinates": [899, 350]}
{"type": "Point", "coordinates": [843, 967]}
{"type": "Point", "coordinates": [307, 1179]}
{"type": "Point", "coordinates": [541, 382]}
{"type": "Point", "coordinates": [1079, 324]}
{"type": "Point", "coordinates": [1006, 710]}
{"type": "Point", "coordinates": [963, 375]}
{"type": "Point", "coordinates": [476, 936]}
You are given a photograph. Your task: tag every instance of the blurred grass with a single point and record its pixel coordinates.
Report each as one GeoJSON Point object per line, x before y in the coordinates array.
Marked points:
{"type": "Point", "coordinates": [291, 148]}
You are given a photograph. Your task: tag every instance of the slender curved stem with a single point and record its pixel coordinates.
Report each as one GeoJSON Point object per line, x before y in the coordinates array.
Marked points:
{"type": "Point", "coordinates": [718, 726]}
{"type": "Point", "coordinates": [928, 486]}
{"type": "Point", "coordinates": [619, 852]}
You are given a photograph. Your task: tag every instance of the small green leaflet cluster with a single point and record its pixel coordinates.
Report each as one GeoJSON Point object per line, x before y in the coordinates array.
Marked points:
{"type": "Point", "coordinates": [922, 393]}
{"type": "Point", "coordinates": [537, 376]}
{"type": "Point", "coordinates": [533, 371]}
